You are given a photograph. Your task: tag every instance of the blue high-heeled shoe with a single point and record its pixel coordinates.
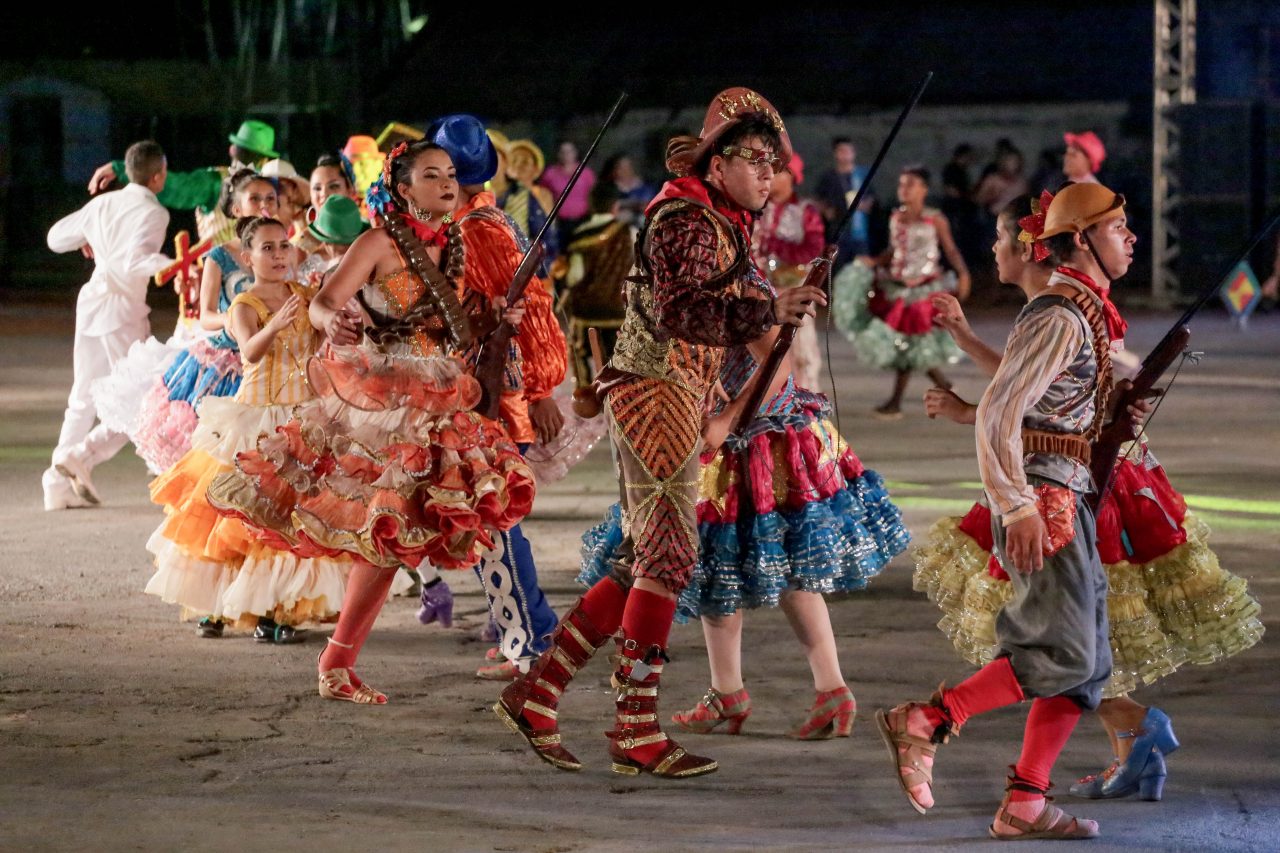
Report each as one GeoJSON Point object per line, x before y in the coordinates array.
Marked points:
{"type": "Point", "coordinates": [1156, 733]}
{"type": "Point", "coordinates": [1114, 782]}
{"type": "Point", "coordinates": [1144, 771]}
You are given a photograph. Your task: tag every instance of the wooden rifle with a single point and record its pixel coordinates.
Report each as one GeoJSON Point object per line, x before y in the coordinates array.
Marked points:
{"type": "Point", "coordinates": [1174, 343]}
{"type": "Point", "coordinates": [491, 363]}
{"type": "Point", "coordinates": [819, 270]}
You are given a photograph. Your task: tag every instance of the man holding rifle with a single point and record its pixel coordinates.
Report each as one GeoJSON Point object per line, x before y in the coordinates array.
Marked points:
{"type": "Point", "coordinates": [692, 293]}
{"type": "Point", "coordinates": [1043, 409]}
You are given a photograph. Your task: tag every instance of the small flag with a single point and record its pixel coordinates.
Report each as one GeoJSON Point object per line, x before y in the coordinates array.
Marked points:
{"type": "Point", "coordinates": [1241, 292]}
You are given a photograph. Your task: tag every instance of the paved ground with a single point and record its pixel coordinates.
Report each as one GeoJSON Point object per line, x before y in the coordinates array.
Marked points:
{"type": "Point", "coordinates": [120, 730]}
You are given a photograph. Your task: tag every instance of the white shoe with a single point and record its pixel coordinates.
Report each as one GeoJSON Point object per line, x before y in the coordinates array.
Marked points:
{"type": "Point", "coordinates": [78, 473]}
{"type": "Point", "coordinates": [59, 493]}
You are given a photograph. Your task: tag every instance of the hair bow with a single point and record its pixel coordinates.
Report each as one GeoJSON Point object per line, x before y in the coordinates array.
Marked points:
{"type": "Point", "coordinates": [1033, 226]}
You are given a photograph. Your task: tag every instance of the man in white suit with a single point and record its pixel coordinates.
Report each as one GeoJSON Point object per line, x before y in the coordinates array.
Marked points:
{"type": "Point", "coordinates": [123, 231]}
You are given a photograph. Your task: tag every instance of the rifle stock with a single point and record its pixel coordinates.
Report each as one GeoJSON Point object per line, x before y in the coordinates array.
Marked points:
{"type": "Point", "coordinates": [763, 376]}
{"type": "Point", "coordinates": [1121, 429]}
{"type": "Point", "coordinates": [492, 360]}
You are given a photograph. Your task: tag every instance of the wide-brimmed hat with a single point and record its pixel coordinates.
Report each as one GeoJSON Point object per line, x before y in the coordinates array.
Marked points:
{"type": "Point", "coordinates": [1079, 206]}
{"type": "Point", "coordinates": [463, 136]}
{"type": "Point", "coordinates": [395, 133]}
{"type": "Point", "coordinates": [531, 147]}
{"type": "Point", "coordinates": [256, 136]}
{"type": "Point", "coordinates": [1091, 145]}
{"type": "Point", "coordinates": [338, 221]}
{"type": "Point", "coordinates": [727, 110]}
{"type": "Point", "coordinates": [283, 170]}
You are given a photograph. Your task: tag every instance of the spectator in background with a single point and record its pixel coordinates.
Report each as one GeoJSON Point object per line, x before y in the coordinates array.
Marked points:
{"type": "Point", "coordinates": [556, 178]}
{"type": "Point", "coordinates": [958, 206]}
{"type": "Point", "coordinates": [590, 277]}
{"type": "Point", "coordinates": [834, 192]}
{"type": "Point", "coordinates": [633, 193]}
{"type": "Point", "coordinates": [1048, 174]}
{"type": "Point", "coordinates": [1004, 184]}
{"type": "Point", "coordinates": [1084, 156]}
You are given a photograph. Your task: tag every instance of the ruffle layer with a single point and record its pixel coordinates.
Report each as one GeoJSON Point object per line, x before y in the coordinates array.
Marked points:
{"type": "Point", "coordinates": [1182, 607]}
{"type": "Point", "coordinates": [263, 583]}
{"type": "Point", "coordinates": [389, 464]}
{"type": "Point", "coordinates": [118, 397]}
{"type": "Point", "coordinates": [877, 343]}
{"type": "Point", "coordinates": [168, 416]}
{"type": "Point", "coordinates": [828, 546]}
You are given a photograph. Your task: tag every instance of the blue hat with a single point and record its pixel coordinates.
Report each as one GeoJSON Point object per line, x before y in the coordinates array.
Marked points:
{"type": "Point", "coordinates": [464, 137]}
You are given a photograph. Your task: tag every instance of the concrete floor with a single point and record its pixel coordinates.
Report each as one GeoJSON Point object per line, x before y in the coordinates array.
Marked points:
{"type": "Point", "coordinates": [120, 730]}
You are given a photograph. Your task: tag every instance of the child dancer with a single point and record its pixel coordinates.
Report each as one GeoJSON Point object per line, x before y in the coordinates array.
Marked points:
{"type": "Point", "coordinates": [1044, 407]}
{"type": "Point", "coordinates": [786, 514]}
{"type": "Point", "coordinates": [882, 304]}
{"type": "Point", "coordinates": [208, 368]}
{"type": "Point", "coordinates": [1169, 600]}
{"type": "Point", "coordinates": [212, 565]}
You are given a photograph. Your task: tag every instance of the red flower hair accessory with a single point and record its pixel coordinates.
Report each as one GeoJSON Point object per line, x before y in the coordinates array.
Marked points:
{"type": "Point", "coordinates": [1033, 226]}
{"type": "Point", "coordinates": [386, 164]}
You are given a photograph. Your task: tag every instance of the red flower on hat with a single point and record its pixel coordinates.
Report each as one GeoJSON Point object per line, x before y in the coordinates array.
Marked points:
{"type": "Point", "coordinates": [1033, 226]}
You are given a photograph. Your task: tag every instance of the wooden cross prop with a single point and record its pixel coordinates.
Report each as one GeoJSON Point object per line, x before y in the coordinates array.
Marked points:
{"type": "Point", "coordinates": [187, 261]}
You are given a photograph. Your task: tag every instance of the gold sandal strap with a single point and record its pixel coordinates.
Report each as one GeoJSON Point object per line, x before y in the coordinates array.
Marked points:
{"type": "Point", "coordinates": [548, 686]}
{"type": "Point", "coordinates": [665, 764]}
{"type": "Point", "coordinates": [545, 740]}
{"type": "Point", "coordinates": [540, 710]}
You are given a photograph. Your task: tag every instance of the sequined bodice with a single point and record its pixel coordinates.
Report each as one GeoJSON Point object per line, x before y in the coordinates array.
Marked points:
{"type": "Point", "coordinates": [402, 319]}
{"type": "Point", "coordinates": [916, 254]}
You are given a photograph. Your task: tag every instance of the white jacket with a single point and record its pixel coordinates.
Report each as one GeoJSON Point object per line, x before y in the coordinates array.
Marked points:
{"type": "Point", "coordinates": [125, 229]}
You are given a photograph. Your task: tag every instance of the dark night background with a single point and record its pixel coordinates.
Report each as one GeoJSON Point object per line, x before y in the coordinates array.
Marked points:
{"type": "Point", "coordinates": [319, 70]}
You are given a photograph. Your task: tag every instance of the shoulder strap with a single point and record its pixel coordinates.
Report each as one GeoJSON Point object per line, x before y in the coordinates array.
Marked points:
{"type": "Point", "coordinates": [1091, 308]}
{"type": "Point", "coordinates": [259, 307]}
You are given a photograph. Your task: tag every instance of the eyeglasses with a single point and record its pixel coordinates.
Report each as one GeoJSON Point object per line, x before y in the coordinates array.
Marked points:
{"type": "Point", "coordinates": [756, 157]}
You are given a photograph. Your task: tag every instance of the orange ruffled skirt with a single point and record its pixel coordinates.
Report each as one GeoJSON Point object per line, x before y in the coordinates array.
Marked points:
{"type": "Point", "coordinates": [388, 463]}
{"type": "Point", "coordinates": [213, 565]}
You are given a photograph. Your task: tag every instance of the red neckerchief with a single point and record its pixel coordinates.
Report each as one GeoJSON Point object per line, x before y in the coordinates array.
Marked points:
{"type": "Point", "coordinates": [698, 190]}
{"type": "Point", "coordinates": [1116, 326]}
{"type": "Point", "coordinates": [426, 233]}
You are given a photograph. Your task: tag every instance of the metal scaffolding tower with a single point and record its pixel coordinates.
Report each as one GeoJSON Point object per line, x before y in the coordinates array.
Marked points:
{"type": "Point", "coordinates": [1175, 85]}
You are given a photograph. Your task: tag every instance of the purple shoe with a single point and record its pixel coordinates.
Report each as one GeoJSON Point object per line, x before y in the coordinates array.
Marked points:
{"type": "Point", "coordinates": [437, 604]}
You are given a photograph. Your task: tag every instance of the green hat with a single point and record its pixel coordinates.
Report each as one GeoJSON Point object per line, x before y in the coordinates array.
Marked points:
{"type": "Point", "coordinates": [256, 136]}
{"type": "Point", "coordinates": [338, 221]}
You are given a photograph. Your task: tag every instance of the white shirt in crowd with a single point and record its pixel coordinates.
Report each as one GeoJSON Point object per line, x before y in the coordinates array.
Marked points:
{"type": "Point", "coordinates": [125, 229]}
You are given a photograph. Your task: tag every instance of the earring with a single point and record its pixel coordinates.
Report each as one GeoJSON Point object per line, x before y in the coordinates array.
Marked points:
{"type": "Point", "coordinates": [419, 213]}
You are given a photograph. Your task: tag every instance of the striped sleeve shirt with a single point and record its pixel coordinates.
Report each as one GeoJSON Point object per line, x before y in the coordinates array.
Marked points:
{"type": "Point", "coordinates": [1039, 349]}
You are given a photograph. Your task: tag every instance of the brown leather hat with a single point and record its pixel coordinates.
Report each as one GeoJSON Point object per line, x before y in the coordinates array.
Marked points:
{"type": "Point", "coordinates": [727, 109]}
{"type": "Point", "coordinates": [1079, 206]}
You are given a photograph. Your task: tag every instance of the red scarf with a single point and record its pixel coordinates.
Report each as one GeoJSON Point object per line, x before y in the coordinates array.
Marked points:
{"type": "Point", "coordinates": [1116, 326]}
{"type": "Point", "coordinates": [425, 232]}
{"type": "Point", "coordinates": [698, 190]}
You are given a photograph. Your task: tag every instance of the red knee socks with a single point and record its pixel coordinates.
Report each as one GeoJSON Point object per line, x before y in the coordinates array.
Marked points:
{"type": "Point", "coordinates": [646, 618]}
{"type": "Point", "coordinates": [991, 687]}
{"type": "Point", "coordinates": [603, 605]}
{"type": "Point", "coordinates": [1049, 725]}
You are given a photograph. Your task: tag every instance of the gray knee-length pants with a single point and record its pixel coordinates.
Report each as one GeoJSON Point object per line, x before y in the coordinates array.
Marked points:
{"type": "Point", "coordinates": [1054, 630]}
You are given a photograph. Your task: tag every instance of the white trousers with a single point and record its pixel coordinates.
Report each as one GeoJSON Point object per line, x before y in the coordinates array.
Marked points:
{"type": "Point", "coordinates": [94, 357]}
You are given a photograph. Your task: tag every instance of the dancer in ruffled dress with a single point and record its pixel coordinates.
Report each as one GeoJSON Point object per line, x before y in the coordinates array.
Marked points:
{"type": "Point", "coordinates": [882, 304]}
{"type": "Point", "coordinates": [787, 513]}
{"type": "Point", "coordinates": [208, 367]}
{"type": "Point", "coordinates": [1169, 600]}
{"type": "Point", "coordinates": [388, 464]}
{"type": "Point", "coordinates": [210, 565]}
